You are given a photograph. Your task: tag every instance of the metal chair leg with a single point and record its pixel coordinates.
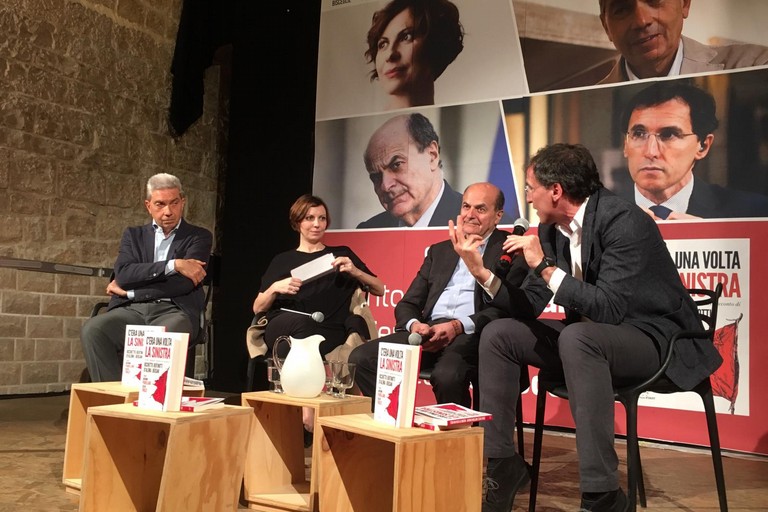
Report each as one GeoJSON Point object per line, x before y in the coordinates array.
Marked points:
{"type": "Point", "coordinates": [538, 432]}
{"type": "Point", "coordinates": [714, 443]}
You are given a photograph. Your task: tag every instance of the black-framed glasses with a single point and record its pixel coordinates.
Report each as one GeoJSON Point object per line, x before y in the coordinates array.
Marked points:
{"type": "Point", "coordinates": [666, 136]}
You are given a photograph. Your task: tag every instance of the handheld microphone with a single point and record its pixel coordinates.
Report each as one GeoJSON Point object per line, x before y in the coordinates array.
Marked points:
{"type": "Point", "coordinates": [519, 228]}
{"type": "Point", "coordinates": [503, 266]}
{"type": "Point", "coordinates": [317, 316]}
{"type": "Point", "coordinates": [414, 339]}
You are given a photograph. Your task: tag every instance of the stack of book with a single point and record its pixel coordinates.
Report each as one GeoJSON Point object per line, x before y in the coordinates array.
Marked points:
{"type": "Point", "coordinates": [447, 416]}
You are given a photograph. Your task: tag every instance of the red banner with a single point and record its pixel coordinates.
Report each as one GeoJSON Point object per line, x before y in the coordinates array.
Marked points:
{"type": "Point", "coordinates": [706, 253]}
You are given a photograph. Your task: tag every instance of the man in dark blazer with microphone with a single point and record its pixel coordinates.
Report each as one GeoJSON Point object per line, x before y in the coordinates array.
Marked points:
{"type": "Point", "coordinates": [604, 261]}
{"type": "Point", "coordinates": [444, 307]}
{"type": "Point", "coordinates": [157, 279]}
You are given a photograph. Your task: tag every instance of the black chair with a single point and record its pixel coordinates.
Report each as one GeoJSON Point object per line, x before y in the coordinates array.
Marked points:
{"type": "Point", "coordinates": [707, 303]}
{"type": "Point", "coordinates": [205, 332]}
{"type": "Point", "coordinates": [256, 374]}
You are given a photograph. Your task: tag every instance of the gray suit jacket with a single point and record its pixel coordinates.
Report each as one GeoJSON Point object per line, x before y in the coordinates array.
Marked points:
{"type": "Point", "coordinates": [434, 274]}
{"type": "Point", "coordinates": [700, 58]}
{"type": "Point", "coordinates": [135, 269]}
{"type": "Point", "coordinates": [629, 277]}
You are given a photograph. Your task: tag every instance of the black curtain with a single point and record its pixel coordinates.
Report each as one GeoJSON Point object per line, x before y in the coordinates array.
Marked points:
{"type": "Point", "coordinates": [269, 162]}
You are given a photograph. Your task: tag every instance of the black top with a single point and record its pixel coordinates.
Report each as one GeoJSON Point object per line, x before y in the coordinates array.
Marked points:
{"type": "Point", "coordinates": [330, 294]}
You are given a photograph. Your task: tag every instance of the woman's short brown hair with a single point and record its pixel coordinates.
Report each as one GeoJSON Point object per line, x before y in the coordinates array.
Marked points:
{"type": "Point", "coordinates": [301, 206]}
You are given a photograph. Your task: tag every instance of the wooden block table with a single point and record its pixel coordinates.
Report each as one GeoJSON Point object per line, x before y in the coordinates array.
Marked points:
{"type": "Point", "coordinates": [81, 398]}
{"type": "Point", "coordinates": [365, 465]}
{"type": "Point", "coordinates": [137, 460]}
{"type": "Point", "coordinates": [275, 478]}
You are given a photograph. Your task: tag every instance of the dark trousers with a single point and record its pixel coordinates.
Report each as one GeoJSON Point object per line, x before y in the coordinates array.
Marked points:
{"type": "Point", "coordinates": [452, 366]}
{"type": "Point", "coordinates": [302, 326]}
{"type": "Point", "coordinates": [103, 336]}
{"type": "Point", "coordinates": [592, 356]}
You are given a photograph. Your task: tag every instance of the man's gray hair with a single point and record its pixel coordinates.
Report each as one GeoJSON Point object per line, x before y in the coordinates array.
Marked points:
{"type": "Point", "coordinates": [163, 181]}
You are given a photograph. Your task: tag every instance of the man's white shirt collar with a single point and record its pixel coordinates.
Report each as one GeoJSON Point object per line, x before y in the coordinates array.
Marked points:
{"type": "Point", "coordinates": [676, 203]}
{"type": "Point", "coordinates": [574, 227]}
{"type": "Point", "coordinates": [157, 229]}
{"type": "Point", "coordinates": [677, 64]}
{"type": "Point", "coordinates": [423, 221]}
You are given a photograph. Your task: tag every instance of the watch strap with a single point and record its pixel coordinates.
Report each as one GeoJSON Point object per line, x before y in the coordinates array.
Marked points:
{"type": "Point", "coordinates": [546, 261]}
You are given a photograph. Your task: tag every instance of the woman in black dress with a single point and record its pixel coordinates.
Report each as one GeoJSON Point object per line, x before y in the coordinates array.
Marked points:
{"type": "Point", "coordinates": [329, 294]}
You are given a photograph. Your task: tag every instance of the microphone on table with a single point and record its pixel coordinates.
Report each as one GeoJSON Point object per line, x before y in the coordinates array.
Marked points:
{"type": "Point", "coordinates": [519, 228]}
{"type": "Point", "coordinates": [317, 316]}
{"type": "Point", "coordinates": [414, 339]}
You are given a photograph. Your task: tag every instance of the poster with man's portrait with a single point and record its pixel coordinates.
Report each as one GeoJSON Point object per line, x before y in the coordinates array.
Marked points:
{"type": "Point", "coordinates": [471, 147]}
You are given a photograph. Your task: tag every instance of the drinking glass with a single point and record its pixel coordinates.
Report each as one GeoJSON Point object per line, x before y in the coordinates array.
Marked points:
{"type": "Point", "coordinates": [328, 377]}
{"type": "Point", "coordinates": [273, 375]}
{"type": "Point", "coordinates": [343, 377]}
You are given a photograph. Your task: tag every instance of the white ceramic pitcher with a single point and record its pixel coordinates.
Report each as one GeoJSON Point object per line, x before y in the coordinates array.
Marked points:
{"type": "Point", "coordinates": [302, 375]}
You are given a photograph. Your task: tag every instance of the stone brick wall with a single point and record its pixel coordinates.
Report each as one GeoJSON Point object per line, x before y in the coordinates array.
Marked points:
{"type": "Point", "coordinates": [84, 91]}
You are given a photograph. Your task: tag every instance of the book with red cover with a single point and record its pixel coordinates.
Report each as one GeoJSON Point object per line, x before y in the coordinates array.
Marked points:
{"type": "Point", "coordinates": [133, 352]}
{"type": "Point", "coordinates": [162, 373]}
{"type": "Point", "coordinates": [429, 426]}
{"type": "Point", "coordinates": [396, 378]}
{"type": "Point", "coordinates": [200, 403]}
{"type": "Point", "coordinates": [447, 416]}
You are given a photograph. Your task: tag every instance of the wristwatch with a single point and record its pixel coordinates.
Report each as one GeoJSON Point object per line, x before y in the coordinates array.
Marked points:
{"type": "Point", "coordinates": [545, 262]}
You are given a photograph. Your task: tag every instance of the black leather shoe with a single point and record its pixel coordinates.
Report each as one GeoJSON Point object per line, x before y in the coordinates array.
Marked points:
{"type": "Point", "coordinates": [503, 478]}
{"type": "Point", "coordinates": [613, 501]}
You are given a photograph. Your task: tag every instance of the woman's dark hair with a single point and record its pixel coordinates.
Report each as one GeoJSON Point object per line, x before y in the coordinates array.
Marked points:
{"type": "Point", "coordinates": [570, 165]}
{"type": "Point", "coordinates": [437, 21]}
{"type": "Point", "coordinates": [301, 206]}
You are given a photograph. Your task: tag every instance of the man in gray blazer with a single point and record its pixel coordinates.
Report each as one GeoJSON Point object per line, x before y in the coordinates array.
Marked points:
{"type": "Point", "coordinates": [604, 261]}
{"type": "Point", "coordinates": [648, 34]}
{"type": "Point", "coordinates": [157, 280]}
{"type": "Point", "coordinates": [445, 304]}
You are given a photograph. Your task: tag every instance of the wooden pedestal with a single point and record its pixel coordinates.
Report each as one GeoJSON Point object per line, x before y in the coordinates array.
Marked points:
{"type": "Point", "coordinates": [275, 478]}
{"type": "Point", "coordinates": [138, 460]}
{"type": "Point", "coordinates": [81, 398]}
{"type": "Point", "coordinates": [365, 465]}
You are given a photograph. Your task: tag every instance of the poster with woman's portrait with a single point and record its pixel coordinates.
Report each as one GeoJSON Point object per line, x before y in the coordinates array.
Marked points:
{"type": "Point", "coordinates": [379, 56]}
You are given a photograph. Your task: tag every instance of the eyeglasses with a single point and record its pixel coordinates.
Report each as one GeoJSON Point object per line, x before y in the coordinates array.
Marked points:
{"type": "Point", "coordinates": [664, 137]}
{"type": "Point", "coordinates": [528, 189]}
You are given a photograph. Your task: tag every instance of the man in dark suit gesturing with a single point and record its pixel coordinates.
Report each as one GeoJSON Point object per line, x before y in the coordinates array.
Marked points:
{"type": "Point", "coordinates": [603, 260]}
{"type": "Point", "coordinates": [445, 302]}
{"type": "Point", "coordinates": [157, 279]}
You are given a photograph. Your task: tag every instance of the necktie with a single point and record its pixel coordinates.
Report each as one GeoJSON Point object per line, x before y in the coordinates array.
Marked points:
{"type": "Point", "coordinates": [660, 211]}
